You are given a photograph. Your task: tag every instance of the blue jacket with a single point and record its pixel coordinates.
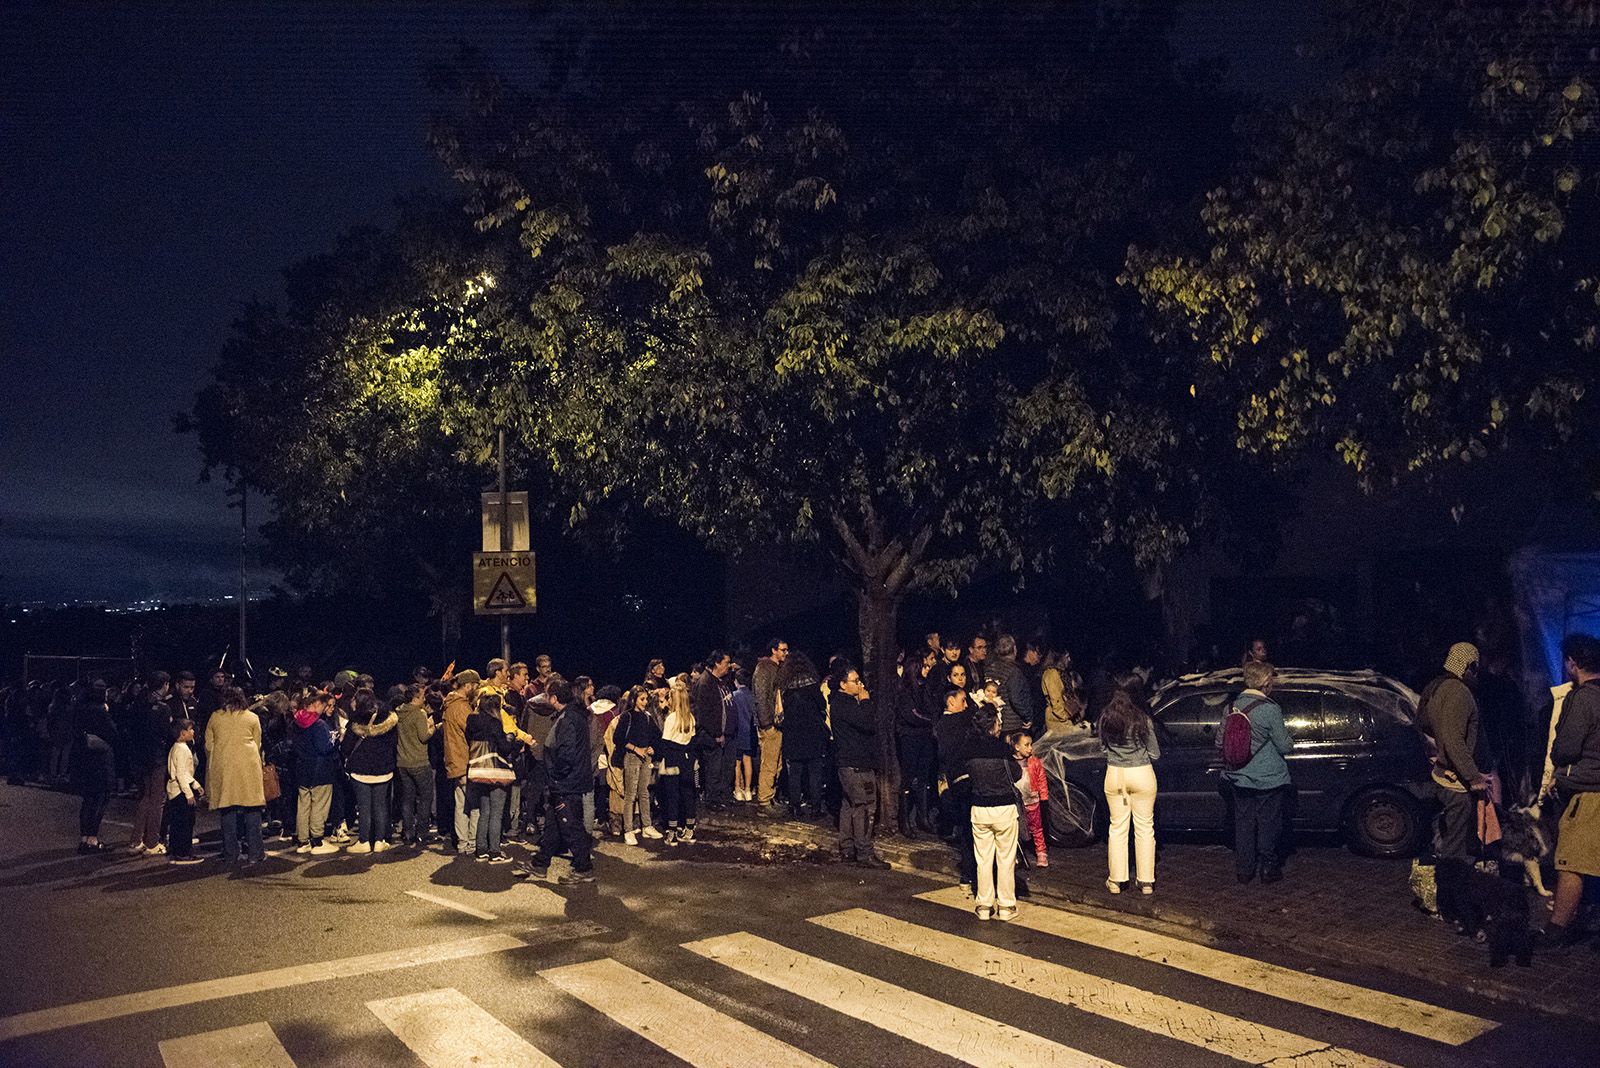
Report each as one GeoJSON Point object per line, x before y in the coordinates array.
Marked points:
{"type": "Point", "coordinates": [1269, 740]}
{"type": "Point", "coordinates": [567, 751]}
{"type": "Point", "coordinates": [316, 758]}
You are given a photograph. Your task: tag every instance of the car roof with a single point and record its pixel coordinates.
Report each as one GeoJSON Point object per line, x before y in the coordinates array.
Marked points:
{"type": "Point", "coordinates": [1303, 676]}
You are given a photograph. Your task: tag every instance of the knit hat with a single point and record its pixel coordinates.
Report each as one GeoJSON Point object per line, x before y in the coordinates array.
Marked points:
{"type": "Point", "coordinates": [462, 678]}
{"type": "Point", "coordinates": [1462, 656]}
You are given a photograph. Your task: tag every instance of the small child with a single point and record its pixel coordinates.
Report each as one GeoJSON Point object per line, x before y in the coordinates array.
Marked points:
{"type": "Point", "coordinates": [183, 792]}
{"type": "Point", "coordinates": [1035, 789]}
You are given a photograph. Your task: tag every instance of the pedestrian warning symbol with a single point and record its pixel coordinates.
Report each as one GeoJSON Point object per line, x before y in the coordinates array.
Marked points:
{"type": "Point", "coordinates": [503, 583]}
{"type": "Point", "coordinates": [503, 594]}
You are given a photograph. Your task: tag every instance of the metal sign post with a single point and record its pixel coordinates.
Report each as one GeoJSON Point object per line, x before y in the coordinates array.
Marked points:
{"type": "Point", "coordinates": [503, 581]}
{"type": "Point", "coordinates": [505, 543]}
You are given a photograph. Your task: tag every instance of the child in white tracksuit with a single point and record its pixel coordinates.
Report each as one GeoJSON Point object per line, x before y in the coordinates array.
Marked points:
{"type": "Point", "coordinates": [183, 793]}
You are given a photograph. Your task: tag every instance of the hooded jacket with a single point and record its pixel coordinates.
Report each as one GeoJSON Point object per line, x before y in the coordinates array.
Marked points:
{"type": "Point", "coordinates": [601, 715]}
{"type": "Point", "coordinates": [1449, 713]}
{"type": "Point", "coordinates": [316, 758]}
{"type": "Point", "coordinates": [372, 750]}
{"type": "Point", "coordinates": [457, 707]}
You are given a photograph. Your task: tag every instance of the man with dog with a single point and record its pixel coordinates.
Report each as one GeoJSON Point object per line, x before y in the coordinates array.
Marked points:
{"type": "Point", "coordinates": [1449, 712]}
{"type": "Point", "coordinates": [1576, 756]}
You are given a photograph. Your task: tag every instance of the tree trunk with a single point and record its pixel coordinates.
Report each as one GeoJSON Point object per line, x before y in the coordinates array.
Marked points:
{"type": "Point", "coordinates": [877, 619]}
{"type": "Point", "coordinates": [883, 565]}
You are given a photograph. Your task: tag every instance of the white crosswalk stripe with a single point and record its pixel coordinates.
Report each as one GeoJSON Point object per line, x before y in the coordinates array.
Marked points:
{"type": "Point", "coordinates": [447, 1029]}
{"type": "Point", "coordinates": [702, 1025]}
{"type": "Point", "coordinates": [250, 1046]}
{"type": "Point", "coordinates": [1214, 1031]}
{"type": "Point", "coordinates": [955, 1032]}
{"type": "Point", "coordinates": [674, 1021]}
{"type": "Point", "coordinates": [1345, 999]}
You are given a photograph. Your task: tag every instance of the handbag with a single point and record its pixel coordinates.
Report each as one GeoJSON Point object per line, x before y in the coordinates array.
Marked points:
{"type": "Point", "coordinates": [487, 767]}
{"type": "Point", "coordinates": [271, 789]}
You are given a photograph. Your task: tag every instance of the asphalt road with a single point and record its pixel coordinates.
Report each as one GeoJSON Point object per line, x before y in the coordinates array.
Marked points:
{"type": "Point", "coordinates": [408, 959]}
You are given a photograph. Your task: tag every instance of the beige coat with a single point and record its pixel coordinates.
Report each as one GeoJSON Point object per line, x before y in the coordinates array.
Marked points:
{"type": "Point", "coordinates": [233, 760]}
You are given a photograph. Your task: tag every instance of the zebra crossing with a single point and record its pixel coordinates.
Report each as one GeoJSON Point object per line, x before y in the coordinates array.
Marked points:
{"type": "Point", "coordinates": [1045, 961]}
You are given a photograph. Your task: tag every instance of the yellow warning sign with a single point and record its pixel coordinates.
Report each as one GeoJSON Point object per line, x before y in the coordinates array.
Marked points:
{"type": "Point", "coordinates": [503, 583]}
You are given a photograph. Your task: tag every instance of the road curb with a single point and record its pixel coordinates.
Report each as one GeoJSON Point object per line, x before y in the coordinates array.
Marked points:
{"type": "Point", "coordinates": [934, 861]}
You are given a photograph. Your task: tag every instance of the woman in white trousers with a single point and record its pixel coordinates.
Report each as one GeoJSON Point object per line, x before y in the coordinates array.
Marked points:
{"type": "Point", "coordinates": [1128, 736]}
{"type": "Point", "coordinates": [993, 772]}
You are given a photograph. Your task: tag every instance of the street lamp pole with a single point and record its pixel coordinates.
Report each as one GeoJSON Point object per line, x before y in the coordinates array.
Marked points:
{"type": "Point", "coordinates": [505, 544]}
{"type": "Point", "coordinates": [244, 591]}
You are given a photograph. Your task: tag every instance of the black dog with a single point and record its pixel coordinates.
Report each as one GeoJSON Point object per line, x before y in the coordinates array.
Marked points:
{"type": "Point", "coordinates": [1504, 902]}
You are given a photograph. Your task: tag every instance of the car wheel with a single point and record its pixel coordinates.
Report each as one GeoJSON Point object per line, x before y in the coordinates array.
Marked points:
{"type": "Point", "coordinates": [1072, 816]}
{"type": "Point", "coordinates": [1385, 822]}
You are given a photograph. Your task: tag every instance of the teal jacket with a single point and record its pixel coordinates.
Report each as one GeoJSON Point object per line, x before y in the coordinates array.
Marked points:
{"type": "Point", "coordinates": [1269, 740]}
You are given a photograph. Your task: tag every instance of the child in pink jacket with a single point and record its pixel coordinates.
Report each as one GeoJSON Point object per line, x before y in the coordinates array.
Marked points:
{"type": "Point", "coordinates": [1035, 790]}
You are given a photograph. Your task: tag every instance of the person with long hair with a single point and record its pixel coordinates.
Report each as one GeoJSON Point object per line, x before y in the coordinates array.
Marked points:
{"type": "Point", "coordinates": [1128, 736]}
{"type": "Point", "coordinates": [914, 720]}
{"type": "Point", "coordinates": [369, 760]}
{"type": "Point", "coordinates": [676, 785]}
{"type": "Point", "coordinates": [635, 735]}
{"type": "Point", "coordinates": [233, 777]}
{"type": "Point", "coordinates": [805, 733]}
{"type": "Point", "coordinates": [93, 765]}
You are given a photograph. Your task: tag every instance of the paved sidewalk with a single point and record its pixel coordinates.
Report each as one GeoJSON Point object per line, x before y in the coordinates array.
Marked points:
{"type": "Point", "coordinates": [1332, 904]}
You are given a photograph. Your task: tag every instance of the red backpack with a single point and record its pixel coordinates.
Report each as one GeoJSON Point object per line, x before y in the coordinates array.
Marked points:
{"type": "Point", "coordinates": [1237, 750]}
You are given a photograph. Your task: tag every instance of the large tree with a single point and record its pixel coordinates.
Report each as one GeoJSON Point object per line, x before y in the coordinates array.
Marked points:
{"type": "Point", "coordinates": [847, 281]}
{"type": "Point", "coordinates": [862, 292]}
{"type": "Point", "coordinates": [1406, 271]}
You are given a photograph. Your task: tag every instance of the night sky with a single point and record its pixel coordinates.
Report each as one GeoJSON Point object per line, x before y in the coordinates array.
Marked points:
{"type": "Point", "coordinates": [159, 165]}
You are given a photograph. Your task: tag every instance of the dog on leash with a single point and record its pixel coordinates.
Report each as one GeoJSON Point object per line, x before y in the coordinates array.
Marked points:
{"type": "Point", "coordinates": [1523, 841]}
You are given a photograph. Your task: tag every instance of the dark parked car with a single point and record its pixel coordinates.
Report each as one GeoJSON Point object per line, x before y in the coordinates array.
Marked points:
{"type": "Point", "coordinates": [1359, 762]}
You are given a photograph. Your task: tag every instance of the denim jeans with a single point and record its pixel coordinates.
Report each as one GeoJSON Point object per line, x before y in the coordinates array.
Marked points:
{"type": "Point", "coordinates": [416, 801]}
{"type": "Point", "coordinates": [805, 783]}
{"type": "Point", "coordinates": [491, 810]}
{"type": "Point", "coordinates": [563, 825]}
{"type": "Point", "coordinates": [236, 818]}
{"type": "Point", "coordinates": [1257, 829]}
{"type": "Point", "coordinates": [372, 808]}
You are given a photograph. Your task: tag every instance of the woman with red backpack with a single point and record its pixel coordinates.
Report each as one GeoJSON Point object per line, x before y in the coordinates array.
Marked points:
{"type": "Point", "coordinates": [1253, 742]}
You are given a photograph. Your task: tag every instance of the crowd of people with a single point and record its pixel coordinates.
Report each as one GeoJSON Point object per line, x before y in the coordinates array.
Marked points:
{"type": "Point", "coordinates": [469, 762]}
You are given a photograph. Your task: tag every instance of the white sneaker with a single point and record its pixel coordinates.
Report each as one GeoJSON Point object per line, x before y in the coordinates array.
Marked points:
{"type": "Point", "coordinates": [630, 839]}
{"type": "Point", "coordinates": [360, 847]}
{"type": "Point", "coordinates": [303, 847]}
{"type": "Point", "coordinates": [687, 835]}
{"type": "Point", "coordinates": [650, 832]}
{"type": "Point", "coordinates": [380, 845]}
{"type": "Point", "coordinates": [137, 849]}
{"type": "Point", "coordinates": [323, 850]}
{"type": "Point", "coordinates": [157, 850]}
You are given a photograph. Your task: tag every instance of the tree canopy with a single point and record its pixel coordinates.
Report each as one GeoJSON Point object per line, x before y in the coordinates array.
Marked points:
{"type": "Point", "coordinates": [1405, 270]}
{"type": "Point", "coordinates": [864, 295]}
